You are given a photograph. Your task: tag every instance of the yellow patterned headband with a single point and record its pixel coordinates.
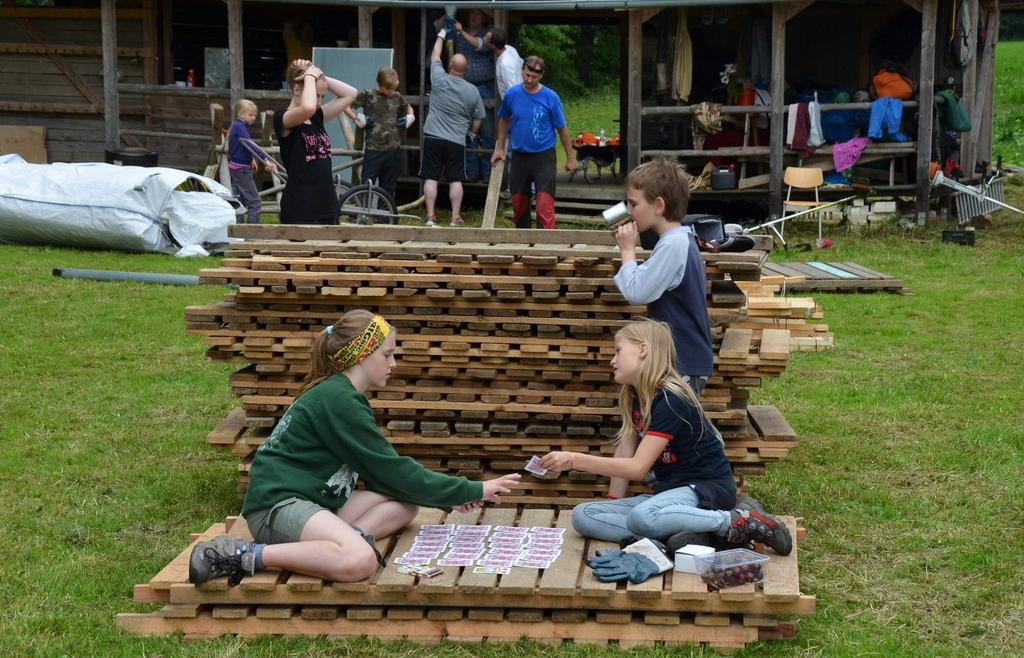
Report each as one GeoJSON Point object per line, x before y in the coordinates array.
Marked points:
{"type": "Point", "coordinates": [365, 343]}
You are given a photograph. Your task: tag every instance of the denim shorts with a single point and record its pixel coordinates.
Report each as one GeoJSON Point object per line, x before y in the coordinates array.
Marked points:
{"type": "Point", "coordinates": [282, 523]}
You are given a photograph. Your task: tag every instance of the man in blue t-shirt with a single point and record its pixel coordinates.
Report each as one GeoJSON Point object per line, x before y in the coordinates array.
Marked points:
{"type": "Point", "coordinates": [531, 115]}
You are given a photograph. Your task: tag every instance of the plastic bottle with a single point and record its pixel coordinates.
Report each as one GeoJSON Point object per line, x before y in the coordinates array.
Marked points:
{"type": "Point", "coordinates": [190, 78]}
{"type": "Point", "coordinates": [602, 140]}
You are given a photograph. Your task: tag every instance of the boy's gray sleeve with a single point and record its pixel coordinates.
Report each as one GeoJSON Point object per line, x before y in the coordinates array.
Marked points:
{"type": "Point", "coordinates": [663, 270]}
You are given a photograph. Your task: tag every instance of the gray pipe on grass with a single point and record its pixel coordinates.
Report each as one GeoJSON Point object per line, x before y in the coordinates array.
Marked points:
{"type": "Point", "coordinates": [140, 277]}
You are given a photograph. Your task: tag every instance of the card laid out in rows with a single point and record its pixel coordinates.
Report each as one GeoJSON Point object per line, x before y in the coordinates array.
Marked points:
{"type": "Point", "coordinates": [489, 549]}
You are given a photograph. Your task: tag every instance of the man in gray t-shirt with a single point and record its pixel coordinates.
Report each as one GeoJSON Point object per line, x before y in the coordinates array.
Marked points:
{"type": "Point", "coordinates": [455, 111]}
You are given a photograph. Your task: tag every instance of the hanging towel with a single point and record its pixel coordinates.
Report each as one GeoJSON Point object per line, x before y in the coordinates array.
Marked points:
{"type": "Point", "coordinates": [800, 121]}
{"type": "Point", "coordinates": [791, 123]}
{"type": "Point", "coordinates": [682, 70]}
{"type": "Point", "coordinates": [707, 120]}
{"type": "Point", "coordinates": [814, 137]}
{"type": "Point", "coordinates": [844, 155]}
{"type": "Point", "coordinates": [760, 51]}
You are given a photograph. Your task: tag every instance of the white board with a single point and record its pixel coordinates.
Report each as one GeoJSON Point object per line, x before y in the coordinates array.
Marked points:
{"type": "Point", "coordinates": [357, 67]}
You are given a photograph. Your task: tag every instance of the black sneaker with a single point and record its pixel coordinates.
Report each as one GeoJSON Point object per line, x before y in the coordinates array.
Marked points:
{"type": "Point", "coordinates": [221, 556]}
{"type": "Point", "coordinates": [751, 525]}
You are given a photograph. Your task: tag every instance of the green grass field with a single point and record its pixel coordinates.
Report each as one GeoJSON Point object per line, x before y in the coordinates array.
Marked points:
{"type": "Point", "coordinates": [907, 475]}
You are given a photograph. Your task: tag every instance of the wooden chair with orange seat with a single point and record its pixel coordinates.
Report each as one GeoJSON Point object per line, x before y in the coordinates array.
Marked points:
{"type": "Point", "coordinates": [801, 179]}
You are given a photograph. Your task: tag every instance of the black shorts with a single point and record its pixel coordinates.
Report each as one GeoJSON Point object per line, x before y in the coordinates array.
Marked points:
{"type": "Point", "coordinates": [442, 158]}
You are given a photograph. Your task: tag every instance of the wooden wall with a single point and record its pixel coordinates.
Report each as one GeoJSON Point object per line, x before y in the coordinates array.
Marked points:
{"type": "Point", "coordinates": [51, 74]}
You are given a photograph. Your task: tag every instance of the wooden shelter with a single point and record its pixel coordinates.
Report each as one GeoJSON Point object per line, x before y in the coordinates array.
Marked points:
{"type": "Point", "coordinates": [63, 67]}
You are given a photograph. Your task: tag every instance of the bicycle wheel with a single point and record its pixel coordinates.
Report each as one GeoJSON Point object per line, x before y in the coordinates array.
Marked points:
{"type": "Point", "coordinates": [368, 204]}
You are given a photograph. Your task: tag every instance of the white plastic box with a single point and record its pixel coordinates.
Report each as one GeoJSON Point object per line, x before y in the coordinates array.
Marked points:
{"type": "Point", "coordinates": [685, 561]}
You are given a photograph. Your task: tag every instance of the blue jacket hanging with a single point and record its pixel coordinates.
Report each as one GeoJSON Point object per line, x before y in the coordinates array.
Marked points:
{"type": "Point", "coordinates": [886, 117]}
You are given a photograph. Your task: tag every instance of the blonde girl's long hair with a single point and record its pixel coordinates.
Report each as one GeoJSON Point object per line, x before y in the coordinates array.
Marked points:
{"type": "Point", "coordinates": [657, 373]}
{"type": "Point", "coordinates": [326, 345]}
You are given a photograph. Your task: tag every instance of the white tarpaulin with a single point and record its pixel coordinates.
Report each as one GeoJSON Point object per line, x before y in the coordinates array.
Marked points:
{"type": "Point", "coordinates": [102, 206]}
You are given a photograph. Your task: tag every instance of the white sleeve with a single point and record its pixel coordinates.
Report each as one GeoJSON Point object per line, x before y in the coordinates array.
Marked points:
{"type": "Point", "coordinates": [662, 271]}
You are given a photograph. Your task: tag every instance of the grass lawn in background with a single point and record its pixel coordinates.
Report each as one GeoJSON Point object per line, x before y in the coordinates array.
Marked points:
{"type": "Point", "coordinates": [907, 473]}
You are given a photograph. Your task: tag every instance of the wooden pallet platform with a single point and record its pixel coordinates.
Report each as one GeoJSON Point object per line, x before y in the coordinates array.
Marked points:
{"type": "Point", "coordinates": [835, 277]}
{"type": "Point", "coordinates": [563, 602]}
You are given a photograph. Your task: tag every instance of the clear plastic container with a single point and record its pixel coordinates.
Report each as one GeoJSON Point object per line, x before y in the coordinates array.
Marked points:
{"type": "Point", "coordinates": [737, 566]}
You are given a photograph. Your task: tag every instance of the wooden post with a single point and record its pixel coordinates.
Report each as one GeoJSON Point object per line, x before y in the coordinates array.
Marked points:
{"type": "Point", "coordinates": [166, 36]}
{"type": "Point", "coordinates": [633, 119]}
{"type": "Point", "coordinates": [987, 87]}
{"type": "Point", "coordinates": [421, 116]}
{"type": "Point", "coordinates": [968, 146]}
{"type": "Point", "coordinates": [981, 89]}
{"type": "Point", "coordinates": [777, 137]}
{"type": "Point", "coordinates": [235, 51]}
{"type": "Point", "coordinates": [366, 26]}
{"type": "Point", "coordinates": [111, 108]}
{"type": "Point", "coordinates": [149, 42]}
{"type": "Point", "coordinates": [925, 108]}
{"type": "Point", "coordinates": [398, 42]}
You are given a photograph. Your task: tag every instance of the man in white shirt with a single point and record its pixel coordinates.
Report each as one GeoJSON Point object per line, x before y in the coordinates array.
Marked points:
{"type": "Point", "coordinates": [508, 65]}
{"type": "Point", "coordinates": [508, 72]}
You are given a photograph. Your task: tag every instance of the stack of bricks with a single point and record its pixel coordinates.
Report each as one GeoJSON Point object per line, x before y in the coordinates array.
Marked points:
{"type": "Point", "coordinates": [503, 347]}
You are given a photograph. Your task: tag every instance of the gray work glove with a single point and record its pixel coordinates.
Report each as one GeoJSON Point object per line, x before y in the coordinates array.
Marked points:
{"type": "Point", "coordinates": [616, 566]}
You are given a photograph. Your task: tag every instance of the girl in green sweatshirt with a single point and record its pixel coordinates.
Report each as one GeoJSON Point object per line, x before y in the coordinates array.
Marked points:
{"type": "Point", "coordinates": [301, 505]}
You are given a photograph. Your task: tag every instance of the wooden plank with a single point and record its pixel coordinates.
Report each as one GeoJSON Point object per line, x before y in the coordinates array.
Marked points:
{"type": "Point", "coordinates": [770, 423]}
{"type": "Point", "coordinates": [777, 89]}
{"type": "Point", "coordinates": [835, 272]}
{"type": "Point", "coordinates": [493, 196]}
{"type": "Point", "coordinates": [926, 109]}
{"type": "Point", "coordinates": [236, 64]}
{"type": "Point", "coordinates": [204, 625]}
{"type": "Point", "coordinates": [445, 583]}
{"type": "Point", "coordinates": [589, 584]}
{"type": "Point", "coordinates": [392, 581]}
{"type": "Point", "coordinates": [561, 577]}
{"type": "Point", "coordinates": [27, 141]}
{"type": "Point", "coordinates": [774, 344]}
{"type": "Point", "coordinates": [229, 428]}
{"type": "Point", "coordinates": [111, 101]}
{"type": "Point", "coordinates": [735, 344]}
{"type": "Point", "coordinates": [634, 61]}
{"type": "Point", "coordinates": [688, 587]}
{"type": "Point", "coordinates": [427, 235]}
{"type": "Point", "coordinates": [478, 583]}
{"type": "Point", "coordinates": [522, 580]}
{"type": "Point", "coordinates": [176, 570]}
{"type": "Point", "coordinates": [864, 272]}
{"type": "Point", "coordinates": [781, 573]}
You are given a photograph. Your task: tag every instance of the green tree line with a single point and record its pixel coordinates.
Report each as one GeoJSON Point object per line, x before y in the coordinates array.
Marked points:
{"type": "Point", "coordinates": [579, 59]}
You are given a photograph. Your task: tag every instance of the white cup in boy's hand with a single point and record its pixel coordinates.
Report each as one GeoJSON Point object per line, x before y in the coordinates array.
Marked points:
{"type": "Point", "coordinates": [494, 489]}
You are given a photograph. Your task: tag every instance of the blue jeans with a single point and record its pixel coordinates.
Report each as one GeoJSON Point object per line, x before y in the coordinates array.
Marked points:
{"type": "Point", "coordinates": [658, 517]}
{"type": "Point", "coordinates": [480, 165]}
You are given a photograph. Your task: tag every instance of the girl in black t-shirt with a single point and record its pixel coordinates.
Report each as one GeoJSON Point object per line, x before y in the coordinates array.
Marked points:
{"type": "Point", "coordinates": [665, 433]}
{"type": "Point", "coordinates": [309, 196]}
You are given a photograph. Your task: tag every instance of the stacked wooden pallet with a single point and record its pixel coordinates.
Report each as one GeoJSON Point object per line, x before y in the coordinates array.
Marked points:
{"type": "Point", "coordinates": [801, 316]}
{"type": "Point", "coordinates": [835, 277]}
{"type": "Point", "coordinates": [561, 602]}
{"type": "Point", "coordinates": [503, 348]}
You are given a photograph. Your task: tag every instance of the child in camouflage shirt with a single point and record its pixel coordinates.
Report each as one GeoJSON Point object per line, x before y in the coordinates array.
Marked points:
{"type": "Point", "coordinates": [382, 120]}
